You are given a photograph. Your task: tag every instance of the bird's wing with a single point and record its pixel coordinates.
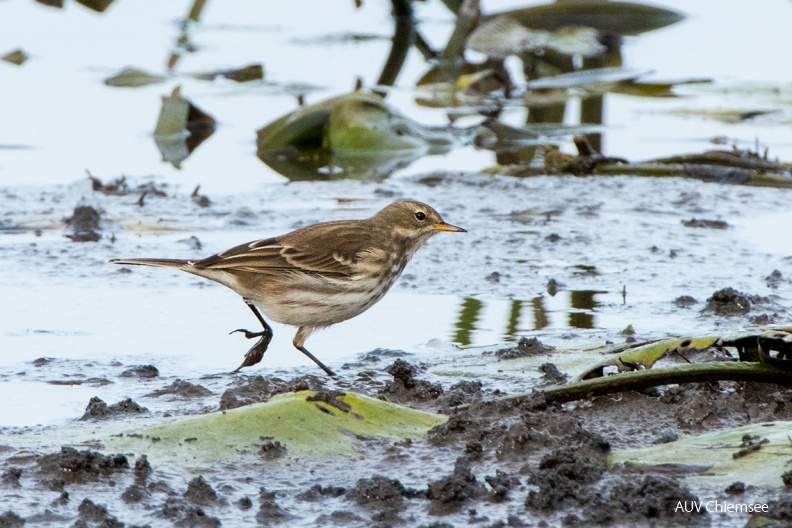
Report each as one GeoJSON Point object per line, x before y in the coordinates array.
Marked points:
{"type": "Point", "coordinates": [331, 248]}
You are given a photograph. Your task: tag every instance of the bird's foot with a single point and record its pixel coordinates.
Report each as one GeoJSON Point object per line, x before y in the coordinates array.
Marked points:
{"type": "Point", "coordinates": [256, 352]}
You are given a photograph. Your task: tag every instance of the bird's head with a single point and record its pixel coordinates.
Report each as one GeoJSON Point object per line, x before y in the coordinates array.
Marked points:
{"type": "Point", "coordinates": [414, 220]}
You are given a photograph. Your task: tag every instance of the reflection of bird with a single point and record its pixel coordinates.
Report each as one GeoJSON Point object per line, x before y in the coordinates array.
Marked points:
{"type": "Point", "coordinates": [318, 275]}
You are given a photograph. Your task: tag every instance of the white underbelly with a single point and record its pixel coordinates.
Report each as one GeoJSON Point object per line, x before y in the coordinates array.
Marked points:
{"type": "Point", "coordinates": [303, 307]}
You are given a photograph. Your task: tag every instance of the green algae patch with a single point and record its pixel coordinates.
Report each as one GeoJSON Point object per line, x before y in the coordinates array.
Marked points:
{"type": "Point", "coordinates": [291, 425]}
{"type": "Point", "coordinates": [756, 455]}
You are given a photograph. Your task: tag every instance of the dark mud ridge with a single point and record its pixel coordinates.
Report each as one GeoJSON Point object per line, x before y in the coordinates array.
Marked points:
{"type": "Point", "coordinates": [497, 463]}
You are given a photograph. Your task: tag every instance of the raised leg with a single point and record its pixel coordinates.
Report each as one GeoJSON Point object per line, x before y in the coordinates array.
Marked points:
{"type": "Point", "coordinates": [256, 352]}
{"type": "Point", "coordinates": [299, 341]}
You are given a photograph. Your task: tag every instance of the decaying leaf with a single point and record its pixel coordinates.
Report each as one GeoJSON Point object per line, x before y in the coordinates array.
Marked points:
{"type": "Point", "coordinates": [585, 78]}
{"type": "Point", "coordinates": [17, 57]}
{"type": "Point", "coordinates": [97, 5]}
{"type": "Point", "coordinates": [51, 3]}
{"type": "Point", "coordinates": [181, 127]}
{"type": "Point", "coordinates": [726, 116]}
{"type": "Point", "coordinates": [554, 90]}
{"type": "Point", "coordinates": [253, 72]}
{"type": "Point", "coordinates": [133, 78]}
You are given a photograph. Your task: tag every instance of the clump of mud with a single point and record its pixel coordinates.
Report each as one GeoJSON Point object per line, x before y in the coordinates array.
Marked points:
{"type": "Point", "coordinates": [91, 514]}
{"type": "Point", "coordinates": [450, 493]}
{"type": "Point", "coordinates": [141, 371]}
{"type": "Point", "coordinates": [255, 389]}
{"type": "Point", "coordinates": [270, 450]}
{"type": "Point", "coordinates": [97, 409]}
{"type": "Point", "coordinates": [9, 519]}
{"type": "Point", "coordinates": [730, 302]}
{"type": "Point", "coordinates": [551, 374]}
{"type": "Point", "coordinates": [73, 466]}
{"type": "Point", "coordinates": [405, 387]}
{"type": "Point", "coordinates": [183, 389]}
{"type": "Point", "coordinates": [83, 224]}
{"type": "Point", "coordinates": [705, 224]}
{"type": "Point", "coordinates": [270, 512]}
{"type": "Point", "coordinates": [775, 279]}
{"type": "Point", "coordinates": [318, 492]}
{"type": "Point", "coordinates": [685, 301]}
{"type": "Point", "coordinates": [525, 348]}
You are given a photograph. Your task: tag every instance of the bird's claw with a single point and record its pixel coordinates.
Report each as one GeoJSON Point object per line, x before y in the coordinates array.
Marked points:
{"type": "Point", "coordinates": [256, 352]}
{"type": "Point", "coordinates": [248, 333]}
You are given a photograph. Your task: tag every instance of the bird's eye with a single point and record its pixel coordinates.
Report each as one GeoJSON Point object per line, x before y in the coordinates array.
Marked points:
{"type": "Point", "coordinates": [420, 215]}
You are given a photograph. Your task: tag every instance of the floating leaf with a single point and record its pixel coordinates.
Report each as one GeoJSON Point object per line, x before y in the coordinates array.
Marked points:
{"type": "Point", "coordinates": [17, 57]}
{"type": "Point", "coordinates": [620, 18]}
{"type": "Point", "coordinates": [181, 127]}
{"type": "Point", "coordinates": [306, 424]}
{"type": "Point", "coordinates": [727, 116]}
{"type": "Point", "coordinates": [585, 77]}
{"type": "Point", "coordinates": [655, 89]}
{"type": "Point", "coordinates": [503, 36]}
{"type": "Point", "coordinates": [352, 135]}
{"type": "Point", "coordinates": [97, 5]}
{"type": "Point", "coordinates": [253, 72]}
{"type": "Point", "coordinates": [496, 135]}
{"type": "Point", "coordinates": [133, 78]}
{"type": "Point", "coordinates": [173, 115]}
{"type": "Point", "coordinates": [548, 91]}
{"type": "Point", "coordinates": [576, 40]}
{"type": "Point", "coordinates": [51, 3]}
{"type": "Point", "coordinates": [714, 455]}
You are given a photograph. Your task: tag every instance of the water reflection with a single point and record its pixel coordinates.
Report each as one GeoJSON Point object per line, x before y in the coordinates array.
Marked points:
{"type": "Point", "coordinates": [568, 309]}
{"type": "Point", "coordinates": [466, 322]}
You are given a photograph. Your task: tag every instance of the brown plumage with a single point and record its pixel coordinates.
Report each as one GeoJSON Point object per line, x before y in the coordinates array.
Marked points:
{"type": "Point", "coordinates": [318, 275]}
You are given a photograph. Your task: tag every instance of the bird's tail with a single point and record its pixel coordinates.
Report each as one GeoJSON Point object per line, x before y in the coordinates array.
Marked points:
{"type": "Point", "coordinates": [160, 263]}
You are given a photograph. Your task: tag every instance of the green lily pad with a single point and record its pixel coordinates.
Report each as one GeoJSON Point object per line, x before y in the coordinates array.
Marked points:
{"type": "Point", "coordinates": [721, 458]}
{"type": "Point", "coordinates": [306, 424]}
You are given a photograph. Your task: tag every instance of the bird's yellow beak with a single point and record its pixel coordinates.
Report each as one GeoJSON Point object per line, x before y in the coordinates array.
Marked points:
{"type": "Point", "coordinates": [448, 227]}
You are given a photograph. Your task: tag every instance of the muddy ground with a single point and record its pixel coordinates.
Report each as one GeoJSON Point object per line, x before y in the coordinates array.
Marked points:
{"type": "Point", "coordinates": [497, 463]}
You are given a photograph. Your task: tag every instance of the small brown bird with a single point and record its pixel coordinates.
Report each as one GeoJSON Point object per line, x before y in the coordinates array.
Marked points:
{"type": "Point", "coordinates": [318, 275]}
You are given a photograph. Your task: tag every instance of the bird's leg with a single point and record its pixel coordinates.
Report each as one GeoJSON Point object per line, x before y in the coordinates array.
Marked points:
{"type": "Point", "coordinates": [299, 341]}
{"type": "Point", "coordinates": [256, 352]}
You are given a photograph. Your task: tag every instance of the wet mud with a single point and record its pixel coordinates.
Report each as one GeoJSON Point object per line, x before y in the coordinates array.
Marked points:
{"type": "Point", "coordinates": [497, 463]}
